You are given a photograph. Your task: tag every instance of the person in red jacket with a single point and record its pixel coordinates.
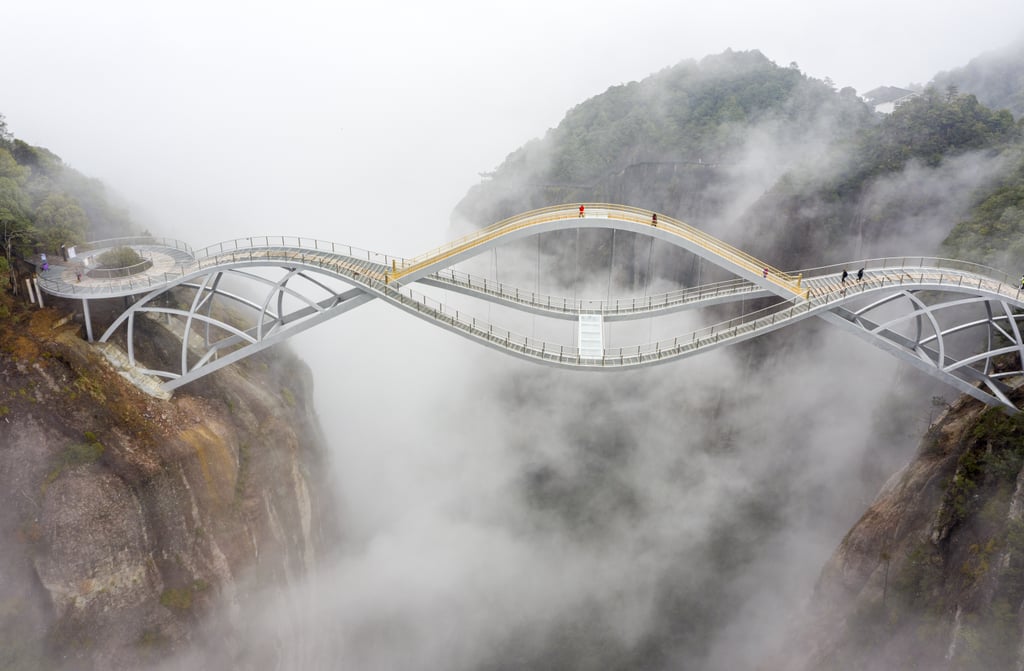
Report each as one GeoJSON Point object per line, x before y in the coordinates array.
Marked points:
{"type": "Point", "coordinates": [581, 211]}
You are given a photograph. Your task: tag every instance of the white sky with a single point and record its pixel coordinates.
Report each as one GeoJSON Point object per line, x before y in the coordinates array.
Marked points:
{"type": "Point", "coordinates": [221, 119]}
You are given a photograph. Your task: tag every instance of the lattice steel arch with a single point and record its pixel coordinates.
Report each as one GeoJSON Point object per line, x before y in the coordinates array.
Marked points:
{"type": "Point", "coordinates": [928, 348]}
{"type": "Point", "coordinates": [270, 321]}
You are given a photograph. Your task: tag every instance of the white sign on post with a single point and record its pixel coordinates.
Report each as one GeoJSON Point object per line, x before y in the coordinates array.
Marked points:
{"type": "Point", "coordinates": [591, 336]}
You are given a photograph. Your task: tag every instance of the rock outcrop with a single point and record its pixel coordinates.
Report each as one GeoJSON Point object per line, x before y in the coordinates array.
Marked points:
{"type": "Point", "coordinates": [125, 517]}
{"type": "Point", "coordinates": [932, 576]}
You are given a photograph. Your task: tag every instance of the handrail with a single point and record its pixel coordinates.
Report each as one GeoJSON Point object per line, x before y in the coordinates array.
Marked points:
{"type": "Point", "coordinates": [891, 262]}
{"type": "Point", "coordinates": [773, 316]}
{"type": "Point", "coordinates": [605, 210]}
{"type": "Point", "coordinates": [564, 304]}
{"type": "Point", "coordinates": [214, 255]}
{"type": "Point", "coordinates": [230, 249]}
{"type": "Point", "coordinates": [139, 240]}
{"type": "Point", "coordinates": [123, 271]}
{"type": "Point", "coordinates": [294, 242]}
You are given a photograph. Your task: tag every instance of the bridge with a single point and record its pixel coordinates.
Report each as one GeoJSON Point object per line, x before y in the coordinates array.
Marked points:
{"type": "Point", "coordinates": [954, 320]}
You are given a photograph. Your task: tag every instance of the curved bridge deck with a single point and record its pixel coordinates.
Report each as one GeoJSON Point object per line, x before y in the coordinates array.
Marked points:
{"type": "Point", "coordinates": [900, 304]}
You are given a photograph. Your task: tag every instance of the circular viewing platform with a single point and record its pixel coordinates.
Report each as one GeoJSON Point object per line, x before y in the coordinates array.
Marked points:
{"type": "Point", "coordinates": [78, 277]}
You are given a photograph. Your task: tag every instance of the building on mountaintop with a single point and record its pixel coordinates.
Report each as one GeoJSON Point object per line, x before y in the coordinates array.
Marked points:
{"type": "Point", "coordinates": [885, 99]}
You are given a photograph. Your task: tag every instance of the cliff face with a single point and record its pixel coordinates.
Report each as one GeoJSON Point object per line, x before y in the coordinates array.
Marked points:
{"type": "Point", "coordinates": [932, 576]}
{"type": "Point", "coordinates": [126, 518]}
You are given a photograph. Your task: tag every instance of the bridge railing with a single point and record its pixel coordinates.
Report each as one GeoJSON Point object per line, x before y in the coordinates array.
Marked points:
{"type": "Point", "coordinates": [555, 352]}
{"type": "Point", "coordinates": [138, 241]}
{"type": "Point", "coordinates": [515, 294]}
{"type": "Point", "coordinates": [908, 262]}
{"type": "Point", "coordinates": [620, 212]}
{"type": "Point", "coordinates": [887, 273]}
{"type": "Point", "coordinates": [703, 239]}
{"type": "Point", "coordinates": [476, 238]}
{"type": "Point", "coordinates": [896, 276]}
{"type": "Point", "coordinates": [53, 283]}
{"type": "Point", "coordinates": [263, 242]}
{"type": "Point", "coordinates": [241, 249]}
{"type": "Point", "coordinates": [531, 218]}
{"type": "Point", "coordinates": [125, 271]}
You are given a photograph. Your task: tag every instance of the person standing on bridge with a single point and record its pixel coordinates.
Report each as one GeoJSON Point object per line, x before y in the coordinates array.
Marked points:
{"type": "Point", "coordinates": [860, 274]}
{"type": "Point", "coordinates": [654, 219]}
{"type": "Point", "coordinates": [581, 211]}
{"type": "Point", "coordinates": [842, 278]}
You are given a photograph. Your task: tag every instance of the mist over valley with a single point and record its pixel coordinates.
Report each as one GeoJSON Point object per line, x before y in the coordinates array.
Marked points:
{"type": "Point", "coordinates": [380, 493]}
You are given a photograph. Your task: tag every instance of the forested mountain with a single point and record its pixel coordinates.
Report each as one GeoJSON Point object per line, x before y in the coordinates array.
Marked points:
{"type": "Point", "coordinates": [993, 232]}
{"type": "Point", "coordinates": [996, 78]}
{"type": "Point", "coordinates": [764, 154]}
{"type": "Point", "coordinates": [670, 135]}
{"type": "Point", "coordinates": [936, 136]}
{"type": "Point", "coordinates": [45, 204]}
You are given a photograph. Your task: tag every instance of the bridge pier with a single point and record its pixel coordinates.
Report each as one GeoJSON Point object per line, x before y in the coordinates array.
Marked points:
{"type": "Point", "coordinates": [39, 294]}
{"type": "Point", "coordinates": [88, 319]}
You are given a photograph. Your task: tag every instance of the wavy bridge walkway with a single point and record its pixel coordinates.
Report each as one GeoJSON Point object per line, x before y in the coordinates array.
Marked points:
{"type": "Point", "coordinates": [955, 320]}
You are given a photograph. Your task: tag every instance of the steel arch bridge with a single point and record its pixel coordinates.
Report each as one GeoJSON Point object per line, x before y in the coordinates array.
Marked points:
{"type": "Point", "coordinates": [957, 321]}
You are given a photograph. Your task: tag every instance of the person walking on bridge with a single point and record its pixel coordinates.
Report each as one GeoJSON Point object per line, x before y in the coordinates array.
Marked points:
{"type": "Point", "coordinates": [581, 211]}
{"type": "Point", "coordinates": [842, 278]}
{"type": "Point", "coordinates": [860, 274]}
{"type": "Point", "coordinates": [654, 219]}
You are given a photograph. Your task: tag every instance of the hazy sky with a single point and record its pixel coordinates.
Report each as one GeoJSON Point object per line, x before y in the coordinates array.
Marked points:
{"type": "Point", "coordinates": [219, 119]}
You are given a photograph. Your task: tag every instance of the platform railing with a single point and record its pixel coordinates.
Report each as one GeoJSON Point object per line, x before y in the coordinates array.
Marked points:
{"type": "Point", "coordinates": [598, 210]}
{"type": "Point", "coordinates": [557, 303]}
{"type": "Point", "coordinates": [750, 323]}
{"type": "Point", "coordinates": [139, 240]}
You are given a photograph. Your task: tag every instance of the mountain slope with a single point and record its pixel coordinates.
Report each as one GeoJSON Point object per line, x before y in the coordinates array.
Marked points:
{"type": "Point", "coordinates": [996, 78]}
{"type": "Point", "coordinates": [932, 576]}
{"type": "Point", "coordinates": [128, 518]}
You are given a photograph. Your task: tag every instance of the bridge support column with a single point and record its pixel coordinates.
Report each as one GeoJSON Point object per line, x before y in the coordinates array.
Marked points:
{"type": "Point", "coordinates": [88, 319]}
{"type": "Point", "coordinates": [39, 294]}
{"type": "Point", "coordinates": [31, 294]}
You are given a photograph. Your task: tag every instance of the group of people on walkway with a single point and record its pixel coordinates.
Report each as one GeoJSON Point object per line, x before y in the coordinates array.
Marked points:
{"type": "Point", "coordinates": [842, 278]}
{"type": "Point", "coordinates": [654, 215]}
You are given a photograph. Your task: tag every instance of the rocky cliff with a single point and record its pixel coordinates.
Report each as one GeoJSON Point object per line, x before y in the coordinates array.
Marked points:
{"type": "Point", "coordinates": [126, 518]}
{"type": "Point", "coordinates": [932, 576]}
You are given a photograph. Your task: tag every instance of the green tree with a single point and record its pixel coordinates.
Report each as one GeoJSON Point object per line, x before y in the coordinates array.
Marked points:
{"type": "Point", "coordinates": [15, 225]}
{"type": "Point", "coordinates": [60, 221]}
{"type": "Point", "coordinates": [5, 134]}
{"type": "Point", "coordinates": [119, 257]}
{"type": "Point", "coordinates": [994, 232]}
{"type": "Point", "coordinates": [15, 222]}
{"type": "Point", "coordinates": [10, 167]}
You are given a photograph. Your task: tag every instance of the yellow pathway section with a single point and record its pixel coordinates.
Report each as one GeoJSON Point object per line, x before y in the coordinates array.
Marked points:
{"type": "Point", "coordinates": [570, 213]}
